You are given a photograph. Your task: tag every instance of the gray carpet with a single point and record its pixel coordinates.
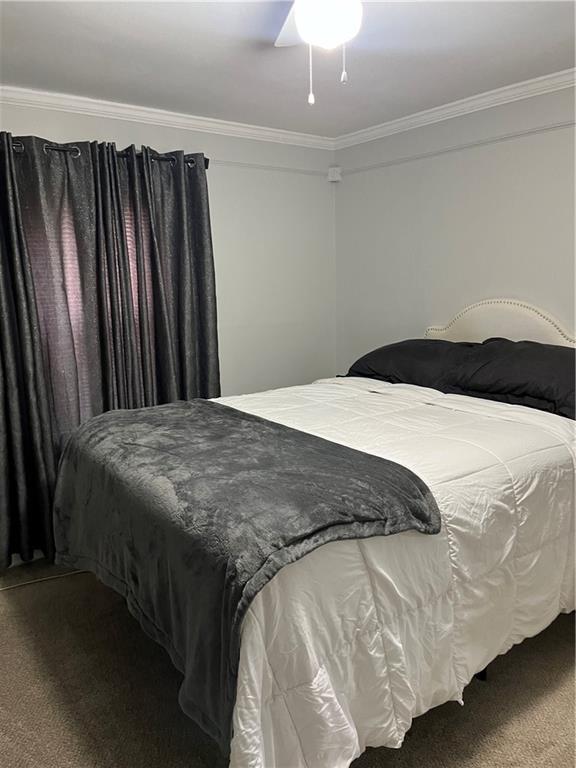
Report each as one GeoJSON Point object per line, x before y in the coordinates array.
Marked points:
{"type": "Point", "coordinates": [82, 687]}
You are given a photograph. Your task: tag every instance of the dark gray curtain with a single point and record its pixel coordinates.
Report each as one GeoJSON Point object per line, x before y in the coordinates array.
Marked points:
{"type": "Point", "coordinates": [107, 300]}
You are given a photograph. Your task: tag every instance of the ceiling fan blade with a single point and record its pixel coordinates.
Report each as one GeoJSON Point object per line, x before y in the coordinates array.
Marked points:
{"type": "Point", "coordinates": [288, 34]}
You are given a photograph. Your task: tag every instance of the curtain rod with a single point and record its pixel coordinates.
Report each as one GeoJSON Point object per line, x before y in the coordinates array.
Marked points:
{"type": "Point", "coordinates": [75, 151]}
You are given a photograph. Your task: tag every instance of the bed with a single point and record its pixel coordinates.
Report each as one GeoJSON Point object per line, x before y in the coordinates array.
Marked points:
{"type": "Point", "coordinates": [341, 649]}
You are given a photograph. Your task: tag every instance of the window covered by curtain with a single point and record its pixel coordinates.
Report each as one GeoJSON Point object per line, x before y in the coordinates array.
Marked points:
{"type": "Point", "coordinates": [107, 300]}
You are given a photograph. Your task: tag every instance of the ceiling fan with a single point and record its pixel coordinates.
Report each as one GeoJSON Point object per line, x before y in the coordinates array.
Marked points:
{"type": "Point", "coordinates": [324, 24]}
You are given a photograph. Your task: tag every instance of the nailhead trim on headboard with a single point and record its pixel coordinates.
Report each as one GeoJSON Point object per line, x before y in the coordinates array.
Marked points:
{"type": "Point", "coordinates": [512, 302]}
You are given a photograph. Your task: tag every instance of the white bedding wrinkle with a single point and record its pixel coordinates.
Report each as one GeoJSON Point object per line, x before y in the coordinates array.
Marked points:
{"type": "Point", "coordinates": [342, 649]}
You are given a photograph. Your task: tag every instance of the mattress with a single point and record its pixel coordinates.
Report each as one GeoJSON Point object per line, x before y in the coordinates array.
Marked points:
{"type": "Point", "coordinates": [342, 649]}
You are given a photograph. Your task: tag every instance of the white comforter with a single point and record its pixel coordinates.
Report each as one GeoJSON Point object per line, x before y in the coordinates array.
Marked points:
{"type": "Point", "coordinates": [343, 648]}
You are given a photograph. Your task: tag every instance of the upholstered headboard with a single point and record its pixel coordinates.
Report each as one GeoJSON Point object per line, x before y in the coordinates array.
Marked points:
{"type": "Point", "coordinates": [508, 318]}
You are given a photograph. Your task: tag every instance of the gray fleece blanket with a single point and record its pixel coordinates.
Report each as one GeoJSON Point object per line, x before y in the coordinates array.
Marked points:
{"type": "Point", "coordinates": [189, 509]}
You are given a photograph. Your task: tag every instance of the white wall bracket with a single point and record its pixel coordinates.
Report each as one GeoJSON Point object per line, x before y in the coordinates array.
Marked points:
{"type": "Point", "coordinates": [335, 173]}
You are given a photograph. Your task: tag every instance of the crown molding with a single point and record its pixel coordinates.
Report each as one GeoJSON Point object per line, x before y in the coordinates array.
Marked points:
{"type": "Point", "coordinates": [61, 102]}
{"type": "Point", "coordinates": [411, 158]}
{"type": "Point", "coordinates": [557, 81]}
{"type": "Point", "coordinates": [25, 97]}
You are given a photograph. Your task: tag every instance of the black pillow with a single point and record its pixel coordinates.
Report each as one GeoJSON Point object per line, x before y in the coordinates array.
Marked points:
{"type": "Point", "coordinates": [425, 362]}
{"type": "Point", "coordinates": [519, 372]}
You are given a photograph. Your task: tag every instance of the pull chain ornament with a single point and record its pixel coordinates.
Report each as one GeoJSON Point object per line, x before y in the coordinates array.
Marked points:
{"type": "Point", "coordinates": [344, 75]}
{"type": "Point", "coordinates": [311, 98]}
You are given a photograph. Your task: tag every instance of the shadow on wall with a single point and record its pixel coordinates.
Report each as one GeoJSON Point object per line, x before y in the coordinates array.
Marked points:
{"type": "Point", "coordinates": [83, 687]}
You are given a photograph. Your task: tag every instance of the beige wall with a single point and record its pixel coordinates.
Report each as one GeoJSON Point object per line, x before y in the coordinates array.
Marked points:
{"type": "Point", "coordinates": [436, 218]}
{"type": "Point", "coordinates": [273, 228]}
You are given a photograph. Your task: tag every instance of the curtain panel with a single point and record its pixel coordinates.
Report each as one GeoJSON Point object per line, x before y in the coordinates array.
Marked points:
{"type": "Point", "coordinates": [107, 300]}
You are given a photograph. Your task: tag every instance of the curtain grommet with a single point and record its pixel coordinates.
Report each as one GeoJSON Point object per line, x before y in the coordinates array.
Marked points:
{"type": "Point", "coordinates": [73, 150]}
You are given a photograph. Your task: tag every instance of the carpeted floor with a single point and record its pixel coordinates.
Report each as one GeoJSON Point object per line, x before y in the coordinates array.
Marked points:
{"type": "Point", "coordinates": [82, 687]}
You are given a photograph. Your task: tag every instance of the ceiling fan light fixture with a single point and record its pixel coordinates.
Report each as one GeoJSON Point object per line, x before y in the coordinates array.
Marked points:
{"type": "Point", "coordinates": [328, 23]}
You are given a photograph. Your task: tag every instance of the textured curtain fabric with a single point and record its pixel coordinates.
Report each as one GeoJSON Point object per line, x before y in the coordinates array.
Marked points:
{"type": "Point", "coordinates": [107, 300]}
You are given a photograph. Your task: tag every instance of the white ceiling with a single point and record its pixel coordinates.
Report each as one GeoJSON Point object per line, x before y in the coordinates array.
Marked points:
{"type": "Point", "coordinates": [217, 59]}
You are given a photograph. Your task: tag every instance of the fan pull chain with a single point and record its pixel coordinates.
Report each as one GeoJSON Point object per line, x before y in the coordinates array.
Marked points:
{"type": "Point", "coordinates": [344, 75]}
{"type": "Point", "coordinates": [311, 99]}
